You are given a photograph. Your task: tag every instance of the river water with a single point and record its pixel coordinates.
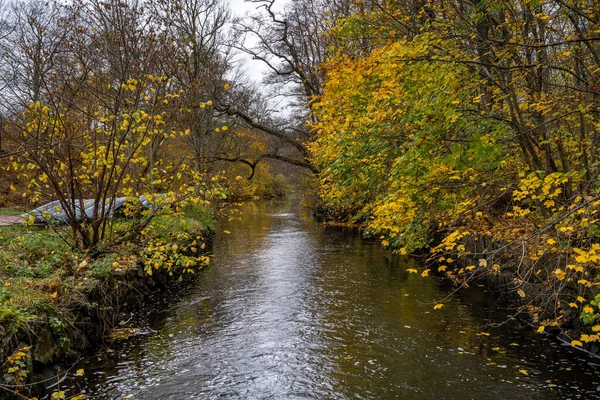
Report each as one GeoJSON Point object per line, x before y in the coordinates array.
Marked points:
{"type": "Point", "coordinates": [290, 309]}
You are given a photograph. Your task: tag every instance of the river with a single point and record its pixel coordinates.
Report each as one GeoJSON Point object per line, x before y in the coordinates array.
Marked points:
{"type": "Point", "coordinates": [291, 309]}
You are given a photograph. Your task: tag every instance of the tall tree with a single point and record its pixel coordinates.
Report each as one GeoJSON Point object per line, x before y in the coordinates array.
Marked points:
{"type": "Point", "coordinates": [293, 45]}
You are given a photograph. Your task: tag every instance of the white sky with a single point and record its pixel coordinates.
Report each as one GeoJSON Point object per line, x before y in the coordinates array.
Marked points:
{"type": "Point", "coordinates": [254, 69]}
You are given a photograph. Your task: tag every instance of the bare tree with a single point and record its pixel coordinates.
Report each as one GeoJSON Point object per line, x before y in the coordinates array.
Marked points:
{"type": "Point", "coordinates": [293, 44]}
{"type": "Point", "coordinates": [199, 63]}
{"type": "Point", "coordinates": [102, 110]}
{"type": "Point", "coordinates": [33, 35]}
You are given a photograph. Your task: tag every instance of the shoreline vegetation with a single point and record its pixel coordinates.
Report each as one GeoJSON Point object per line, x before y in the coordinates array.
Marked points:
{"type": "Point", "coordinates": [58, 302]}
{"type": "Point", "coordinates": [471, 131]}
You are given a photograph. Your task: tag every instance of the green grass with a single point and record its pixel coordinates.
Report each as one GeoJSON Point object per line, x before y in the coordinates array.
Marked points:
{"type": "Point", "coordinates": [45, 283]}
{"type": "Point", "coordinates": [11, 211]}
{"type": "Point", "coordinates": [39, 271]}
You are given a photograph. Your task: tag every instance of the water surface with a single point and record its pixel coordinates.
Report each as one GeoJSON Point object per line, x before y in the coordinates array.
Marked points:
{"type": "Point", "coordinates": [290, 309]}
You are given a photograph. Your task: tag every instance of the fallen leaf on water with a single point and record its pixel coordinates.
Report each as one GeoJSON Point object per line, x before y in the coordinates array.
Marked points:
{"type": "Point", "coordinates": [121, 333]}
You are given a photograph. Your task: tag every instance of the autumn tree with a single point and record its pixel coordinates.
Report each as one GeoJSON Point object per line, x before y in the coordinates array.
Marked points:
{"type": "Point", "coordinates": [102, 126]}
{"type": "Point", "coordinates": [475, 123]}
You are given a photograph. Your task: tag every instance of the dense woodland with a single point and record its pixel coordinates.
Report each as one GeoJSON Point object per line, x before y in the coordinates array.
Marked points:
{"type": "Point", "coordinates": [466, 128]}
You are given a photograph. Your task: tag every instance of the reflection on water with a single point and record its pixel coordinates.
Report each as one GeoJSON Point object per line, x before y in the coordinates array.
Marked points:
{"type": "Point", "coordinates": [290, 309]}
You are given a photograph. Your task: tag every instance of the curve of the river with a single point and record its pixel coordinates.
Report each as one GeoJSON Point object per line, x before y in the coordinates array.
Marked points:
{"type": "Point", "coordinates": [290, 309]}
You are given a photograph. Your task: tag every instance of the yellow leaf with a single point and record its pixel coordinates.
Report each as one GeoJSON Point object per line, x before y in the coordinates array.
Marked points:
{"type": "Point", "coordinates": [580, 299]}
{"type": "Point", "coordinates": [559, 274]}
{"type": "Point", "coordinates": [58, 395]}
{"type": "Point", "coordinates": [438, 306]}
{"type": "Point", "coordinates": [54, 295]}
{"type": "Point", "coordinates": [576, 343]}
{"type": "Point", "coordinates": [79, 372]}
{"type": "Point", "coordinates": [551, 242]}
{"type": "Point", "coordinates": [425, 273]}
{"type": "Point", "coordinates": [412, 270]}
{"type": "Point", "coordinates": [227, 86]}
{"type": "Point", "coordinates": [541, 329]}
{"type": "Point", "coordinates": [442, 268]}
{"type": "Point", "coordinates": [586, 338]}
{"type": "Point", "coordinates": [524, 371]}
{"type": "Point", "coordinates": [521, 293]}
{"type": "Point", "coordinates": [482, 262]}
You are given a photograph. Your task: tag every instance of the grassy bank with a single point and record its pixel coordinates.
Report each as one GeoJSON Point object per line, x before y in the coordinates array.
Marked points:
{"type": "Point", "coordinates": [55, 302]}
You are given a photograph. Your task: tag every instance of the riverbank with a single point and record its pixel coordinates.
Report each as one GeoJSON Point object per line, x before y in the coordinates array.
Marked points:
{"type": "Point", "coordinates": [57, 302]}
{"type": "Point", "coordinates": [533, 279]}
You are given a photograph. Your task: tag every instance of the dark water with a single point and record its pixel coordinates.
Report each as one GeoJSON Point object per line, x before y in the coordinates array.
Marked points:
{"type": "Point", "coordinates": [290, 309]}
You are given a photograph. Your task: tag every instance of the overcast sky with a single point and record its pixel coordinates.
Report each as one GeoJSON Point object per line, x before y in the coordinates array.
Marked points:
{"type": "Point", "coordinates": [253, 68]}
{"type": "Point", "coordinates": [240, 8]}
